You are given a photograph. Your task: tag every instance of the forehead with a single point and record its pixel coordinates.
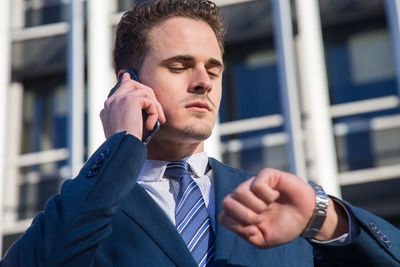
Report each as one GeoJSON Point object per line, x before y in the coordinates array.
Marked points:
{"type": "Point", "coordinates": [183, 36]}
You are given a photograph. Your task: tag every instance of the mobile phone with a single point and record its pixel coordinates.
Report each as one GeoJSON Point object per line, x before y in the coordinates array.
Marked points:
{"type": "Point", "coordinates": [146, 134]}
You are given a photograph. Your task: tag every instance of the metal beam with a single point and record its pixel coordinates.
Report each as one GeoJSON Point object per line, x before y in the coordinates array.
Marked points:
{"type": "Point", "coordinates": [42, 31]}
{"type": "Point", "coordinates": [213, 144]}
{"type": "Point", "coordinates": [75, 75]}
{"type": "Point", "coordinates": [370, 175]}
{"type": "Point", "coordinates": [364, 106]}
{"type": "Point", "coordinates": [284, 45]}
{"type": "Point", "coordinates": [393, 18]}
{"type": "Point", "coordinates": [100, 72]}
{"type": "Point", "coordinates": [5, 76]}
{"type": "Point", "coordinates": [313, 76]}
{"type": "Point", "coordinates": [249, 125]}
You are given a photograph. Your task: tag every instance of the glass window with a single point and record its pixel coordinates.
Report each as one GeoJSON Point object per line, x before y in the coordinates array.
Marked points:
{"type": "Point", "coordinates": [365, 148]}
{"type": "Point", "coordinates": [251, 90]}
{"type": "Point", "coordinates": [38, 184]}
{"type": "Point", "coordinates": [41, 12]}
{"type": "Point", "coordinates": [251, 87]}
{"type": "Point", "coordinates": [361, 67]}
{"type": "Point", "coordinates": [45, 111]}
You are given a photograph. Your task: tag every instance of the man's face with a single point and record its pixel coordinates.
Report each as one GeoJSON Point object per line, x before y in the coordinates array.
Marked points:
{"type": "Point", "coordinates": [184, 67]}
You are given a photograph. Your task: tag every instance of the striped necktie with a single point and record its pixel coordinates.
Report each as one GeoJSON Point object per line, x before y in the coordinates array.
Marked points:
{"type": "Point", "coordinates": [192, 220]}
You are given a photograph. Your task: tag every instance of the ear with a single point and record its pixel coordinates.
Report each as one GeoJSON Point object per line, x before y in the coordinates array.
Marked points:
{"type": "Point", "coordinates": [120, 73]}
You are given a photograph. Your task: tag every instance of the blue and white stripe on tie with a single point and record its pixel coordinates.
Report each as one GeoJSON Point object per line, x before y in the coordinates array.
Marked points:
{"type": "Point", "coordinates": [192, 220]}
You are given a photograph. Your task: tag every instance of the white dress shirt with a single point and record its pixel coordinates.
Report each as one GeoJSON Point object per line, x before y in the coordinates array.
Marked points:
{"type": "Point", "coordinates": [164, 191]}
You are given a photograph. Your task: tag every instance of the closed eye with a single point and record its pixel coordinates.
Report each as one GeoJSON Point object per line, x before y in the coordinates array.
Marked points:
{"type": "Point", "coordinates": [214, 72]}
{"type": "Point", "coordinates": [176, 69]}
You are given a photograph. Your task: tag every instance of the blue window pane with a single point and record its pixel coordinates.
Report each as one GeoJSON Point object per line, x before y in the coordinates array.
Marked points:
{"type": "Point", "coordinates": [45, 114]}
{"type": "Point", "coordinates": [257, 92]}
{"type": "Point", "coordinates": [342, 87]}
{"type": "Point", "coordinates": [46, 15]}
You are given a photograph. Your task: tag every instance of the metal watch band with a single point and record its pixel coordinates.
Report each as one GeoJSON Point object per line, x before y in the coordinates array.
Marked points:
{"type": "Point", "coordinates": [319, 216]}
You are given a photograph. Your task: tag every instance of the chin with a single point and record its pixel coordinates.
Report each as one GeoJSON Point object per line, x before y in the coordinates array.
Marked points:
{"type": "Point", "coordinates": [196, 134]}
{"type": "Point", "coordinates": [190, 133]}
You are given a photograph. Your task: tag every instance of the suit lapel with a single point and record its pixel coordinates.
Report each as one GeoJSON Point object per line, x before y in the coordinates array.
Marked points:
{"type": "Point", "coordinates": [226, 179]}
{"type": "Point", "coordinates": [141, 208]}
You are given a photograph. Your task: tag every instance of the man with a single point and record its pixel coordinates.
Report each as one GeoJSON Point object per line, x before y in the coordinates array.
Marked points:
{"type": "Point", "coordinates": [126, 210]}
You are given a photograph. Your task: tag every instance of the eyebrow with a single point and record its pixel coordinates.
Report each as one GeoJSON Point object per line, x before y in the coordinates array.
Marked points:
{"type": "Point", "coordinates": [186, 58]}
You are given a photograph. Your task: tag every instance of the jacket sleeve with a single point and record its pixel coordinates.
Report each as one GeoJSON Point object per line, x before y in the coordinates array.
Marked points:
{"type": "Point", "coordinates": [377, 244]}
{"type": "Point", "coordinates": [69, 230]}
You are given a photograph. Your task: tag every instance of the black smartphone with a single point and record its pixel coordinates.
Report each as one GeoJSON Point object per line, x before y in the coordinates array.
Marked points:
{"type": "Point", "coordinates": [146, 134]}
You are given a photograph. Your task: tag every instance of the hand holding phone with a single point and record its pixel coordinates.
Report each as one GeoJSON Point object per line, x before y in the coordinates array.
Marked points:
{"type": "Point", "coordinates": [146, 134]}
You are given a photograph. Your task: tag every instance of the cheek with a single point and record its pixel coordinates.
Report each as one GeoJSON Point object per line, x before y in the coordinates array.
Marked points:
{"type": "Point", "coordinates": [169, 103]}
{"type": "Point", "coordinates": [167, 100]}
{"type": "Point", "coordinates": [216, 97]}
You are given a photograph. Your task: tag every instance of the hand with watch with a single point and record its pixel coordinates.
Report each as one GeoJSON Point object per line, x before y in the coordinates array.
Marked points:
{"type": "Point", "coordinates": [275, 207]}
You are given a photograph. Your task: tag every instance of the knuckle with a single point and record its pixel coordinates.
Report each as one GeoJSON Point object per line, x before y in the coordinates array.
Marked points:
{"type": "Point", "coordinates": [222, 217]}
{"type": "Point", "coordinates": [240, 191]}
{"type": "Point", "coordinates": [257, 185]}
{"type": "Point", "coordinates": [107, 103]}
{"type": "Point", "coordinates": [226, 202]}
{"type": "Point", "coordinates": [266, 171]}
{"type": "Point", "coordinates": [131, 83]}
{"type": "Point", "coordinates": [249, 218]}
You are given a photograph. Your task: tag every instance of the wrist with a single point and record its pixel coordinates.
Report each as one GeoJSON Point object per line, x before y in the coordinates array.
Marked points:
{"type": "Point", "coordinates": [336, 223]}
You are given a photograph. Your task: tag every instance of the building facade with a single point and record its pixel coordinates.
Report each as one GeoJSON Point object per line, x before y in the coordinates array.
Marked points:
{"type": "Point", "coordinates": [310, 87]}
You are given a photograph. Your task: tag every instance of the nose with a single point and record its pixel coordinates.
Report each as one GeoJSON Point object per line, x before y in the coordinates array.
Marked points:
{"type": "Point", "coordinates": [201, 82]}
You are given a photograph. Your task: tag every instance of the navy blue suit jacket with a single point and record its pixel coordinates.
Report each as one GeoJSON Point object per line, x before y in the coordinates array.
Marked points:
{"type": "Point", "coordinates": [104, 218]}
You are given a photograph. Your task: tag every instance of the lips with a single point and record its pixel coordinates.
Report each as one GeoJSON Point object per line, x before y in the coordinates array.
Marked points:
{"type": "Point", "coordinates": [199, 105]}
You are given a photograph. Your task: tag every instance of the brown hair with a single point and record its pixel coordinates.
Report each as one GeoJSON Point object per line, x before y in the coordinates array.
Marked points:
{"type": "Point", "coordinates": [131, 44]}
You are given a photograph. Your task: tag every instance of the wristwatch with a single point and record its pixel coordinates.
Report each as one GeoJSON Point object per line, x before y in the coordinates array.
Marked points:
{"type": "Point", "coordinates": [319, 216]}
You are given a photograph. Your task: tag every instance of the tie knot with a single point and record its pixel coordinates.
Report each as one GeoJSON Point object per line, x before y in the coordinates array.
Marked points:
{"type": "Point", "coordinates": [177, 169]}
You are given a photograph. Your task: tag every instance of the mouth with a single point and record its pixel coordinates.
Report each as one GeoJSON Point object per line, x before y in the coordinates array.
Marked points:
{"type": "Point", "coordinates": [199, 106]}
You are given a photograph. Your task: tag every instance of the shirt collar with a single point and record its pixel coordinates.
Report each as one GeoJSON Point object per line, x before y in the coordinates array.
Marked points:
{"type": "Point", "coordinates": [153, 170]}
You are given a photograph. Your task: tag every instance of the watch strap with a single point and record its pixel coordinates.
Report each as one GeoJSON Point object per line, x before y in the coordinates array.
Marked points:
{"type": "Point", "coordinates": [321, 207]}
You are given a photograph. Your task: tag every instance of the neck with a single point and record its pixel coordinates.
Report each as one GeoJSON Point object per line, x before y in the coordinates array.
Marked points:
{"type": "Point", "coordinates": [172, 151]}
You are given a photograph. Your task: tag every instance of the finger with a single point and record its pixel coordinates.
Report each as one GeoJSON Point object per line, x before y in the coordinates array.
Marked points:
{"type": "Point", "coordinates": [262, 186]}
{"type": "Point", "coordinates": [245, 231]}
{"type": "Point", "coordinates": [148, 92]}
{"type": "Point", "coordinates": [128, 95]}
{"type": "Point", "coordinates": [161, 115]}
{"type": "Point", "coordinates": [248, 198]}
{"type": "Point", "coordinates": [128, 85]}
{"type": "Point", "coordinates": [239, 212]}
{"type": "Point", "coordinates": [150, 107]}
{"type": "Point", "coordinates": [126, 76]}
{"type": "Point", "coordinates": [102, 114]}
{"type": "Point", "coordinates": [117, 88]}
